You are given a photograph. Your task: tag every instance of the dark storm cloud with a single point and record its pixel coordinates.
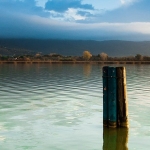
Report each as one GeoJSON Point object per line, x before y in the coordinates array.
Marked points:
{"type": "Point", "coordinates": [24, 7]}
{"type": "Point", "coordinates": [61, 5]}
{"type": "Point", "coordinates": [27, 19]}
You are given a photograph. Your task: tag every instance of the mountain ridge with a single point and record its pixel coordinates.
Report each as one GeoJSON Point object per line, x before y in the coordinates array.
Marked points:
{"type": "Point", "coordinates": [76, 47]}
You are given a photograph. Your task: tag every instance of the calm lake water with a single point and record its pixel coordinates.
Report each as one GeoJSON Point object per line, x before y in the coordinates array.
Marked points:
{"type": "Point", "coordinates": [60, 107]}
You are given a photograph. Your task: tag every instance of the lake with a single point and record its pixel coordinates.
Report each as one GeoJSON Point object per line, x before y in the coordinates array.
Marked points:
{"type": "Point", "coordinates": [60, 107]}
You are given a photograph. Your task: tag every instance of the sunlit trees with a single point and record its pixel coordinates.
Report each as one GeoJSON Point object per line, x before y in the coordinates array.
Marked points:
{"type": "Point", "coordinates": [103, 56]}
{"type": "Point", "coordinates": [37, 55]}
{"type": "Point", "coordinates": [87, 55]}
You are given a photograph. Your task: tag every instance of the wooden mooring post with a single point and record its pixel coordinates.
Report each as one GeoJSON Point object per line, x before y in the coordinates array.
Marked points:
{"type": "Point", "coordinates": [122, 97]}
{"type": "Point", "coordinates": [105, 96]}
{"type": "Point", "coordinates": [115, 104]}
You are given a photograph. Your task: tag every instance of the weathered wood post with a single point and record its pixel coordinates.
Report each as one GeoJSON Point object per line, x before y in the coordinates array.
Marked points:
{"type": "Point", "coordinates": [105, 96]}
{"type": "Point", "coordinates": [115, 104]}
{"type": "Point", "coordinates": [122, 98]}
{"type": "Point", "coordinates": [112, 97]}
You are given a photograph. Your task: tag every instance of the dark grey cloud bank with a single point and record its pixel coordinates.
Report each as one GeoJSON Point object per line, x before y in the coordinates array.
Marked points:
{"type": "Point", "coordinates": [27, 7]}
{"type": "Point", "coordinates": [61, 5]}
{"type": "Point", "coordinates": [26, 19]}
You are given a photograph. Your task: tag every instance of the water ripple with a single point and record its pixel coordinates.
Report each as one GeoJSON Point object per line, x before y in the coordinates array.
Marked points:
{"type": "Point", "coordinates": [64, 104]}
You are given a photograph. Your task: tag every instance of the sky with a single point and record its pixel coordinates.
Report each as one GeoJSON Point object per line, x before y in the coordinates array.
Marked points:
{"type": "Point", "coordinates": [76, 19]}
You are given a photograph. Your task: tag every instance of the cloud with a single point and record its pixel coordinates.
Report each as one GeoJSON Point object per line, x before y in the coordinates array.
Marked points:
{"type": "Point", "coordinates": [39, 27]}
{"type": "Point", "coordinates": [83, 11]}
{"type": "Point", "coordinates": [23, 7]}
{"type": "Point", "coordinates": [36, 7]}
{"type": "Point", "coordinates": [62, 6]}
{"type": "Point", "coordinates": [136, 12]}
{"type": "Point", "coordinates": [30, 19]}
{"type": "Point", "coordinates": [72, 14]}
{"type": "Point", "coordinates": [128, 2]}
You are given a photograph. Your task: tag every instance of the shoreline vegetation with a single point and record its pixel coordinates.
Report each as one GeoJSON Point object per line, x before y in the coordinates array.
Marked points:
{"type": "Point", "coordinates": [74, 62]}
{"type": "Point", "coordinates": [86, 58]}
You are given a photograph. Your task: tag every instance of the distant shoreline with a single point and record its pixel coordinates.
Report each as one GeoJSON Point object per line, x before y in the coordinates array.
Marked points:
{"type": "Point", "coordinates": [74, 62]}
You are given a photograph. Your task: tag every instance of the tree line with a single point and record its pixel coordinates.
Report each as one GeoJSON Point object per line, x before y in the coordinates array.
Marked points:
{"type": "Point", "coordinates": [87, 56]}
{"type": "Point", "coordinates": [104, 57]}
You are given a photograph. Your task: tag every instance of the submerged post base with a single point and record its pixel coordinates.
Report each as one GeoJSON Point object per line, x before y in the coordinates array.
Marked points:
{"type": "Point", "coordinates": [112, 124]}
{"type": "Point", "coordinates": [124, 124]}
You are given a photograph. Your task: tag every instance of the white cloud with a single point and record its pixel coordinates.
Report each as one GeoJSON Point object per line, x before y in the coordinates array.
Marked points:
{"type": "Point", "coordinates": [138, 27]}
{"type": "Point", "coordinates": [71, 15]}
{"type": "Point", "coordinates": [127, 2]}
{"type": "Point", "coordinates": [133, 27]}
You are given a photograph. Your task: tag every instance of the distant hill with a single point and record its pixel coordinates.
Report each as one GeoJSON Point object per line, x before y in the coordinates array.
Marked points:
{"type": "Point", "coordinates": [15, 51]}
{"type": "Point", "coordinates": [74, 47]}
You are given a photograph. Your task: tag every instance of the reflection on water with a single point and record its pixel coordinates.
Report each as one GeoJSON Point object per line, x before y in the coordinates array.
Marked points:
{"type": "Point", "coordinates": [87, 69]}
{"type": "Point", "coordinates": [2, 138]}
{"type": "Point", "coordinates": [115, 139]}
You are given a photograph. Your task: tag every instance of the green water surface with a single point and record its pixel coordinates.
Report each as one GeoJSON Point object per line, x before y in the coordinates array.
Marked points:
{"type": "Point", "coordinates": [60, 107]}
